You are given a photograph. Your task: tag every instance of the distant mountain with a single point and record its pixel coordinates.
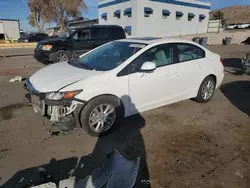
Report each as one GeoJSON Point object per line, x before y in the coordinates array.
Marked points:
{"type": "Point", "coordinates": [235, 14]}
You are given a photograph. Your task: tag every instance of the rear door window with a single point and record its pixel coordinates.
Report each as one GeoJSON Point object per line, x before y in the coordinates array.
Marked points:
{"type": "Point", "coordinates": [116, 33]}
{"type": "Point", "coordinates": [188, 52]}
{"type": "Point", "coordinates": [97, 33]}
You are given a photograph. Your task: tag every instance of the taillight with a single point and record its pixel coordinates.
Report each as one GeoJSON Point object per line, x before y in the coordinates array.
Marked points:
{"type": "Point", "coordinates": [222, 61]}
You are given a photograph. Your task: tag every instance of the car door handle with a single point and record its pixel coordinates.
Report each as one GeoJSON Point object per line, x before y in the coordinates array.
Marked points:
{"type": "Point", "coordinates": [172, 74]}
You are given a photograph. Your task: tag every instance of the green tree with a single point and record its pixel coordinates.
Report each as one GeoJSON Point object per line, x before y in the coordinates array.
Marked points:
{"type": "Point", "coordinates": [218, 15]}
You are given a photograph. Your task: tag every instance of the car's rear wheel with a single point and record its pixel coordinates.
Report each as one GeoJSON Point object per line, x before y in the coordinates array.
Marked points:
{"type": "Point", "coordinates": [100, 115]}
{"type": "Point", "coordinates": [61, 56]}
{"type": "Point", "coordinates": [206, 90]}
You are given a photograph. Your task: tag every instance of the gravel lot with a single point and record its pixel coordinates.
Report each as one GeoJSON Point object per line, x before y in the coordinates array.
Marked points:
{"type": "Point", "coordinates": [186, 144]}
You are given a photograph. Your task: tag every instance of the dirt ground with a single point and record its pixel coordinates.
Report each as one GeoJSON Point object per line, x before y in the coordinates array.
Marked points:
{"type": "Point", "coordinates": [186, 144]}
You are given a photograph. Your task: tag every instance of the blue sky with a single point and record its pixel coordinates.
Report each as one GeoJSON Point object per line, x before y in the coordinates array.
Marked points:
{"type": "Point", "coordinates": [16, 9]}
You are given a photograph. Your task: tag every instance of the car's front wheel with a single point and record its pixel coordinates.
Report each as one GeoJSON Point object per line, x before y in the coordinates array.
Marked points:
{"type": "Point", "coordinates": [100, 115]}
{"type": "Point", "coordinates": [206, 90]}
{"type": "Point", "coordinates": [61, 56]}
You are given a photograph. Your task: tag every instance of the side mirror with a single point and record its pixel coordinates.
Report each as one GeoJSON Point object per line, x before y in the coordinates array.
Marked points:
{"type": "Point", "coordinates": [148, 66]}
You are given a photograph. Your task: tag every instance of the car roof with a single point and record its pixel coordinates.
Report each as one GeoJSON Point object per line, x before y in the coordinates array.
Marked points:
{"type": "Point", "coordinates": [151, 40]}
{"type": "Point", "coordinates": [95, 26]}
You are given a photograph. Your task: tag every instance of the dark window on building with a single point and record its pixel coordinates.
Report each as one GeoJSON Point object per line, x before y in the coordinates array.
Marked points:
{"type": "Point", "coordinates": [128, 12]}
{"type": "Point", "coordinates": [179, 15]}
{"type": "Point", "coordinates": [117, 13]}
{"type": "Point", "coordinates": [148, 11]}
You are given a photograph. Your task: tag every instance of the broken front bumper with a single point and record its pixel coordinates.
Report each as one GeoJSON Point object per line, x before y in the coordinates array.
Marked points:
{"type": "Point", "coordinates": [56, 111]}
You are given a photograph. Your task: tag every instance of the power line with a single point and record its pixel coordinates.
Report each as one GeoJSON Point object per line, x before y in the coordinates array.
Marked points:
{"type": "Point", "coordinates": [25, 4]}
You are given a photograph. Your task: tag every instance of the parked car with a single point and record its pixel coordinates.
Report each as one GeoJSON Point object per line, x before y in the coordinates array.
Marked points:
{"type": "Point", "coordinates": [33, 37]}
{"type": "Point", "coordinates": [75, 42]}
{"type": "Point", "coordinates": [122, 78]}
{"type": "Point", "coordinates": [243, 26]}
{"type": "Point", "coordinates": [233, 26]}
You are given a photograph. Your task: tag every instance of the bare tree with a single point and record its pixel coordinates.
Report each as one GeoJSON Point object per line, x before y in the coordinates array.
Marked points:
{"type": "Point", "coordinates": [63, 10]}
{"type": "Point", "coordinates": [59, 11]}
{"type": "Point", "coordinates": [40, 13]}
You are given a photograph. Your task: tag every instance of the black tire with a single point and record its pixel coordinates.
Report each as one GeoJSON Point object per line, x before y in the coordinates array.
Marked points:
{"type": "Point", "coordinates": [64, 53]}
{"type": "Point", "coordinates": [86, 111]}
{"type": "Point", "coordinates": [200, 98]}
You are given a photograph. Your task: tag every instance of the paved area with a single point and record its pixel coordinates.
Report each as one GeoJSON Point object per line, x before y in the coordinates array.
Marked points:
{"type": "Point", "coordinates": [16, 51]}
{"type": "Point", "coordinates": [185, 144]}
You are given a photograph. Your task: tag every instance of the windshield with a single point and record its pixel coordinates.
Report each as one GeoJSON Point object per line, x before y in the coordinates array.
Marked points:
{"type": "Point", "coordinates": [108, 56]}
{"type": "Point", "coordinates": [66, 34]}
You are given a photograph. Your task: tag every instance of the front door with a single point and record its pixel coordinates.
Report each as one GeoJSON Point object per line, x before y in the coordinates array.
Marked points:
{"type": "Point", "coordinates": [156, 88]}
{"type": "Point", "coordinates": [82, 42]}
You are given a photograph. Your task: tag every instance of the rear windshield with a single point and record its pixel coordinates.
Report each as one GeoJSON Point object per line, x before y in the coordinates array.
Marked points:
{"type": "Point", "coordinates": [108, 56]}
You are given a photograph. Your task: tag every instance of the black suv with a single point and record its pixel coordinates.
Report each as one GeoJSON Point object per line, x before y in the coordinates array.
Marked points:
{"type": "Point", "coordinates": [75, 42]}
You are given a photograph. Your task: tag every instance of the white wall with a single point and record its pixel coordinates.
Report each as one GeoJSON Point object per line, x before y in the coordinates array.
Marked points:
{"type": "Point", "coordinates": [11, 28]}
{"type": "Point", "coordinates": [155, 25]}
{"type": "Point", "coordinates": [214, 26]}
{"type": "Point", "coordinates": [124, 20]}
{"type": "Point", "coordinates": [1, 28]}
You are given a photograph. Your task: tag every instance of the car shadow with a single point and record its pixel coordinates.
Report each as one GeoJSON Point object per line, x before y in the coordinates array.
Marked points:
{"type": "Point", "coordinates": [235, 65]}
{"type": "Point", "coordinates": [126, 139]}
{"type": "Point", "coordinates": [238, 93]}
{"type": "Point", "coordinates": [247, 41]}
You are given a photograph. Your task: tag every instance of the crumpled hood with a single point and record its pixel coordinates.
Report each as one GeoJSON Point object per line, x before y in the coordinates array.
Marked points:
{"type": "Point", "coordinates": [56, 76]}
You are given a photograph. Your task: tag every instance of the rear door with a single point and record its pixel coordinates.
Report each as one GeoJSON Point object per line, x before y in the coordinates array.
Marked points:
{"type": "Point", "coordinates": [82, 41]}
{"type": "Point", "coordinates": [99, 36]}
{"type": "Point", "coordinates": [191, 64]}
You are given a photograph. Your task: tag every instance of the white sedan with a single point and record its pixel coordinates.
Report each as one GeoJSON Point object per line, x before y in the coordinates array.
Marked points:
{"type": "Point", "coordinates": [122, 78]}
{"type": "Point", "coordinates": [243, 26]}
{"type": "Point", "coordinates": [233, 26]}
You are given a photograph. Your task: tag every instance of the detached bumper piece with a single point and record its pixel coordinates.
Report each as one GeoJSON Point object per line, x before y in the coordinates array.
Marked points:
{"type": "Point", "coordinates": [116, 172]}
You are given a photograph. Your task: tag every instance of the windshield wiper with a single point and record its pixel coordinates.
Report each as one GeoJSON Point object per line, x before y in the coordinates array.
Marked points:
{"type": "Point", "coordinates": [87, 66]}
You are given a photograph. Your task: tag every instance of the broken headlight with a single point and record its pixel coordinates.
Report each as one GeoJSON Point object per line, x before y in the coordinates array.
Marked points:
{"type": "Point", "coordinates": [56, 96]}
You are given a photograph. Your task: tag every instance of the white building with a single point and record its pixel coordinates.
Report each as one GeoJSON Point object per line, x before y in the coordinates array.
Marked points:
{"type": "Point", "coordinates": [9, 29]}
{"type": "Point", "coordinates": [156, 17]}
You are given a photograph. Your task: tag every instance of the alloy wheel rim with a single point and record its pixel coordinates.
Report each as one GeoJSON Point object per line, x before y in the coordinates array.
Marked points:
{"type": "Point", "coordinates": [102, 118]}
{"type": "Point", "coordinates": [61, 57]}
{"type": "Point", "coordinates": [207, 90]}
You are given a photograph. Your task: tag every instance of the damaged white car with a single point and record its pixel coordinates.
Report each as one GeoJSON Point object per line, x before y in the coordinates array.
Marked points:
{"type": "Point", "coordinates": [122, 78]}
